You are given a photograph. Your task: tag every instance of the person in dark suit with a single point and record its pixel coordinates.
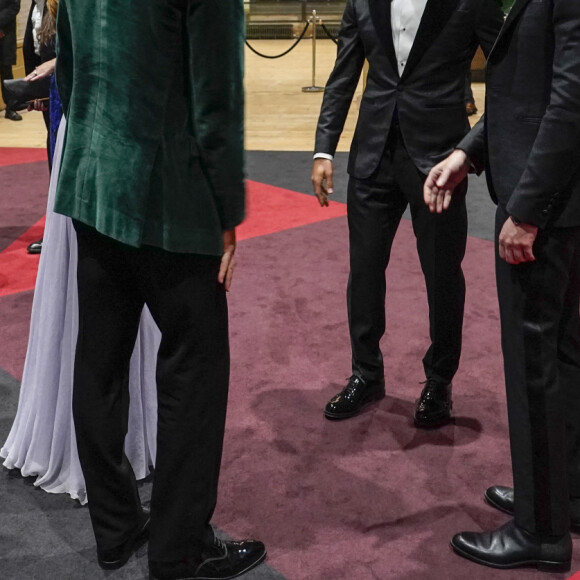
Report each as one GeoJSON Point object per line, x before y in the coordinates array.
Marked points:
{"type": "Point", "coordinates": [8, 11]}
{"type": "Point", "coordinates": [418, 53]}
{"type": "Point", "coordinates": [155, 188]}
{"type": "Point", "coordinates": [529, 144]}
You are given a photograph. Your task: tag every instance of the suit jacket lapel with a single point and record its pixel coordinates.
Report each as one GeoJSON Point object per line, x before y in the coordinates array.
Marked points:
{"type": "Point", "coordinates": [435, 17]}
{"type": "Point", "coordinates": [516, 10]}
{"type": "Point", "coordinates": [381, 16]}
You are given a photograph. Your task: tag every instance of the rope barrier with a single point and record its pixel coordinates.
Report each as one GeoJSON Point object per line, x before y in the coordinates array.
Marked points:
{"type": "Point", "coordinates": [285, 52]}
{"type": "Point", "coordinates": [328, 33]}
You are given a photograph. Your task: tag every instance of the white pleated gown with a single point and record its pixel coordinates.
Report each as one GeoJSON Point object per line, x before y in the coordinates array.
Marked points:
{"type": "Point", "coordinates": [42, 440]}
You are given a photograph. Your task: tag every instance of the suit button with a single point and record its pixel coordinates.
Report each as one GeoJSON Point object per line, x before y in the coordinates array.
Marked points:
{"type": "Point", "coordinates": [545, 212]}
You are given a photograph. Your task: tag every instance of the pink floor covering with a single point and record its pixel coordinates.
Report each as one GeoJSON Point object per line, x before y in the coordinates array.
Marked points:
{"type": "Point", "coordinates": [368, 498]}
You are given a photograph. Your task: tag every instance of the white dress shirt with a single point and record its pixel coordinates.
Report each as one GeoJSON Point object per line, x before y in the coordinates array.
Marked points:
{"type": "Point", "coordinates": [405, 19]}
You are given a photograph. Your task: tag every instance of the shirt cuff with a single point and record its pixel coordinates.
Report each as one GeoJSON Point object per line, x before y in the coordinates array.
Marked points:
{"type": "Point", "coordinates": [323, 156]}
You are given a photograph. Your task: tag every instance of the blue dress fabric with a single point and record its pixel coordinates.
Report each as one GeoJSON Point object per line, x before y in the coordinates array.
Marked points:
{"type": "Point", "coordinates": [55, 112]}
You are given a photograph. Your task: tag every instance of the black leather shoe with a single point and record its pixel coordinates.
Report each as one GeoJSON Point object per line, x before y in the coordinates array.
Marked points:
{"type": "Point", "coordinates": [12, 115]}
{"type": "Point", "coordinates": [434, 405]}
{"type": "Point", "coordinates": [357, 394]}
{"type": "Point", "coordinates": [119, 556]}
{"type": "Point", "coordinates": [501, 498]}
{"type": "Point", "coordinates": [513, 547]}
{"type": "Point", "coordinates": [220, 561]}
{"type": "Point", "coordinates": [35, 247]}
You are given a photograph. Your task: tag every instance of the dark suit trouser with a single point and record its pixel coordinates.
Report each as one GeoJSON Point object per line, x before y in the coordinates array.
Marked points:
{"type": "Point", "coordinates": [375, 208]}
{"type": "Point", "coordinates": [540, 324]}
{"type": "Point", "coordinates": [189, 306]}
{"type": "Point", "coordinates": [5, 75]}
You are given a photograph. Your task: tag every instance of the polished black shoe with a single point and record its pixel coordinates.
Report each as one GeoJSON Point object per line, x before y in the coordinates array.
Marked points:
{"type": "Point", "coordinates": [357, 394]}
{"type": "Point", "coordinates": [501, 498]}
{"type": "Point", "coordinates": [434, 405]}
{"type": "Point", "coordinates": [220, 561]}
{"type": "Point", "coordinates": [513, 547]}
{"type": "Point", "coordinates": [119, 556]}
{"type": "Point", "coordinates": [35, 247]}
{"type": "Point", "coordinates": [12, 115]}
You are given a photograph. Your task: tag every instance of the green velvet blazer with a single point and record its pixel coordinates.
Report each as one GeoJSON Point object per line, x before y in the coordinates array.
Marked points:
{"type": "Point", "coordinates": [153, 96]}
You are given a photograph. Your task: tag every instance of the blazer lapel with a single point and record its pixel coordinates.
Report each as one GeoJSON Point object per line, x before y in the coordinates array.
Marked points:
{"type": "Point", "coordinates": [381, 16]}
{"type": "Point", "coordinates": [516, 10]}
{"type": "Point", "coordinates": [435, 17]}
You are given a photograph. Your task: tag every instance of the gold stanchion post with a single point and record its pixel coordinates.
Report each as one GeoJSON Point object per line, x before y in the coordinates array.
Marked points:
{"type": "Point", "coordinates": [314, 20]}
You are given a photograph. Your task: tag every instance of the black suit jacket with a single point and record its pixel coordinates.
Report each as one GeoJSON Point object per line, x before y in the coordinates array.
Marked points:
{"type": "Point", "coordinates": [8, 11]}
{"type": "Point", "coordinates": [532, 120]}
{"type": "Point", "coordinates": [429, 97]}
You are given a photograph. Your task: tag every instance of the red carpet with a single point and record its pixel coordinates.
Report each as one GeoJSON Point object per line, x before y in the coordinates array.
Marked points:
{"type": "Point", "coordinates": [18, 155]}
{"type": "Point", "coordinates": [270, 209]}
{"type": "Point", "coordinates": [17, 267]}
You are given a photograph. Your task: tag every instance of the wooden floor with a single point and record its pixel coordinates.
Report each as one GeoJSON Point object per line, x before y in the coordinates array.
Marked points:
{"type": "Point", "coordinates": [279, 116]}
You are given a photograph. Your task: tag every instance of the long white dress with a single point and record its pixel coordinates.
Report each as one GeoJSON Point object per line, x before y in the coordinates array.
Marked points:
{"type": "Point", "coordinates": [42, 440]}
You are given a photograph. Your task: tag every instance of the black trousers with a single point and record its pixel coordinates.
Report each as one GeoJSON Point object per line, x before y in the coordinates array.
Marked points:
{"type": "Point", "coordinates": [189, 306]}
{"type": "Point", "coordinates": [375, 208]}
{"type": "Point", "coordinates": [5, 74]}
{"type": "Point", "coordinates": [540, 325]}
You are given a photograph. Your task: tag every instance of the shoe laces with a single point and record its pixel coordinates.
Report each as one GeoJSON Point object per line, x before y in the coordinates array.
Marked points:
{"type": "Point", "coordinates": [352, 384]}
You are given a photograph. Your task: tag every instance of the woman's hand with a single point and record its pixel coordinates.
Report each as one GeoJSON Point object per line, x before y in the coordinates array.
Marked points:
{"type": "Point", "coordinates": [42, 70]}
{"type": "Point", "coordinates": [38, 105]}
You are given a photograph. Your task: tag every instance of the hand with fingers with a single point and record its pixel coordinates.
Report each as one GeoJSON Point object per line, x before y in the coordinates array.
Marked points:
{"type": "Point", "coordinates": [443, 179]}
{"type": "Point", "coordinates": [516, 241]}
{"type": "Point", "coordinates": [322, 180]}
{"type": "Point", "coordinates": [37, 105]}
{"type": "Point", "coordinates": [42, 70]}
{"type": "Point", "coordinates": [227, 264]}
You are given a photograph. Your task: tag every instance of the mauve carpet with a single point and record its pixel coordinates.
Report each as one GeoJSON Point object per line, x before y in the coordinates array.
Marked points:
{"type": "Point", "coordinates": [369, 498]}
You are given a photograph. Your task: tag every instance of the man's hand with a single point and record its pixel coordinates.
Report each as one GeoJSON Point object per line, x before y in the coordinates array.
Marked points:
{"type": "Point", "coordinates": [443, 179]}
{"type": "Point", "coordinates": [516, 242]}
{"type": "Point", "coordinates": [227, 265]}
{"type": "Point", "coordinates": [322, 174]}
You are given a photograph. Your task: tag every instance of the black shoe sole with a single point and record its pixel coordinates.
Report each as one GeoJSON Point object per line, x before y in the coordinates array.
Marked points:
{"type": "Point", "coordinates": [236, 575]}
{"type": "Point", "coordinates": [338, 416]}
{"type": "Point", "coordinates": [541, 565]}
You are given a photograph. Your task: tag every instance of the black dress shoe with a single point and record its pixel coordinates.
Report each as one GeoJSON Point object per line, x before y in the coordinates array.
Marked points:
{"type": "Point", "coordinates": [220, 561]}
{"type": "Point", "coordinates": [513, 547]}
{"type": "Point", "coordinates": [501, 498]}
{"type": "Point", "coordinates": [35, 247]}
{"type": "Point", "coordinates": [12, 115]}
{"type": "Point", "coordinates": [119, 556]}
{"type": "Point", "coordinates": [357, 394]}
{"type": "Point", "coordinates": [434, 405]}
